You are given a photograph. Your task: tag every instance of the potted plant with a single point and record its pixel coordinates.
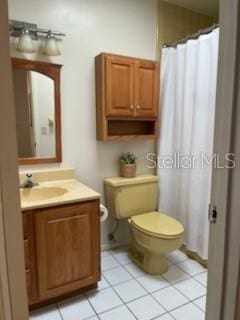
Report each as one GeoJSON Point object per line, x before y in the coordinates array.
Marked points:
{"type": "Point", "coordinates": [128, 165]}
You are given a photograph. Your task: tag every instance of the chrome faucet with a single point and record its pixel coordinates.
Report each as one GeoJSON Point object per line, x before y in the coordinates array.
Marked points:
{"type": "Point", "coordinates": [28, 183]}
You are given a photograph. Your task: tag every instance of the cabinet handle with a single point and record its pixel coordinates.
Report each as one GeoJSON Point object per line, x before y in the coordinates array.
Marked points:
{"type": "Point", "coordinates": [131, 107]}
{"type": "Point", "coordinates": [138, 107]}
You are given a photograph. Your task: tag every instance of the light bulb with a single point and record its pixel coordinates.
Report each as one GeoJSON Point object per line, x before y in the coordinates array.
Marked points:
{"type": "Point", "coordinates": [25, 43]}
{"type": "Point", "coordinates": [51, 46]}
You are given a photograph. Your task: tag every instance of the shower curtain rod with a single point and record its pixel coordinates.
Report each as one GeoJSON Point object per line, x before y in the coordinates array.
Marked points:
{"type": "Point", "coordinates": [191, 36]}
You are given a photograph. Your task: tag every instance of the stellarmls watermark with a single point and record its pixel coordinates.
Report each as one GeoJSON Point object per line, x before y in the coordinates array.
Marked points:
{"type": "Point", "coordinates": [202, 160]}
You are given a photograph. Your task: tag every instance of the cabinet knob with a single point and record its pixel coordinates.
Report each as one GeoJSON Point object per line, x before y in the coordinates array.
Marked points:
{"type": "Point", "coordinates": [131, 107]}
{"type": "Point", "coordinates": [138, 107]}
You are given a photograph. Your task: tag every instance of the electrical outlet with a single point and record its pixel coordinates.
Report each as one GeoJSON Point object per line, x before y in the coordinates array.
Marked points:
{"type": "Point", "coordinates": [44, 131]}
{"type": "Point", "coordinates": [111, 237]}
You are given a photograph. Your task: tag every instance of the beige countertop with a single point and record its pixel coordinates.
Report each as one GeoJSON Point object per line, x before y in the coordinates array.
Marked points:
{"type": "Point", "coordinates": [70, 191]}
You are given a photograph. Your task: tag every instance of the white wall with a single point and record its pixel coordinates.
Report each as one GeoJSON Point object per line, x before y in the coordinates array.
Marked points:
{"type": "Point", "coordinates": [125, 27]}
{"type": "Point", "coordinates": [24, 136]}
{"type": "Point", "coordinates": [42, 88]}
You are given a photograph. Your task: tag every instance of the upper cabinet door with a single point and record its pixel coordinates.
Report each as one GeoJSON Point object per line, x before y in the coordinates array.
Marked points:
{"type": "Point", "coordinates": [146, 88]}
{"type": "Point", "coordinates": [119, 87]}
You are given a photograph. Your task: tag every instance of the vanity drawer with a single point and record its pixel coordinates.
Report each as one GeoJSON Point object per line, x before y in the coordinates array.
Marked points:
{"type": "Point", "coordinates": [29, 254]}
{"type": "Point", "coordinates": [28, 280]}
{"type": "Point", "coordinates": [25, 225]}
{"type": "Point", "coordinates": [26, 253]}
{"type": "Point", "coordinates": [31, 286]}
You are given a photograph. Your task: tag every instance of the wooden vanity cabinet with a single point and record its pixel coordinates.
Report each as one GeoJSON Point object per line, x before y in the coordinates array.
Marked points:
{"type": "Point", "coordinates": [127, 97]}
{"type": "Point", "coordinates": [67, 249]}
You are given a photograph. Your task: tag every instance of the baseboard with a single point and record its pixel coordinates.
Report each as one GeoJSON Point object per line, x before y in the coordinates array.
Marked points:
{"type": "Point", "coordinates": [194, 255]}
{"type": "Point", "coordinates": [108, 246]}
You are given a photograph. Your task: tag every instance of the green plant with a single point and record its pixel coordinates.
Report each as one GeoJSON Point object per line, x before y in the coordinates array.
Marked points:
{"type": "Point", "coordinates": [128, 158]}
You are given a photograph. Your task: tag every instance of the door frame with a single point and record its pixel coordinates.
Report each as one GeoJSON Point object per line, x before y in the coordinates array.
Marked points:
{"type": "Point", "coordinates": [13, 295]}
{"type": "Point", "coordinates": [224, 237]}
{"type": "Point", "coordinates": [5, 307]}
{"type": "Point", "coordinates": [224, 240]}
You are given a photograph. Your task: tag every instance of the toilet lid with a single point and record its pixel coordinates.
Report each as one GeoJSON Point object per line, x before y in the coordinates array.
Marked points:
{"type": "Point", "coordinates": [158, 224]}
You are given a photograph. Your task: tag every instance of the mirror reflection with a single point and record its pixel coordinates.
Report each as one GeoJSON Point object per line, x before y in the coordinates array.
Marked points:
{"type": "Point", "coordinates": [35, 114]}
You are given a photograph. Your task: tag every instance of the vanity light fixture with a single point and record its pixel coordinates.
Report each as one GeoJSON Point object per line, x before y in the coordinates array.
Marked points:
{"type": "Point", "coordinates": [27, 32]}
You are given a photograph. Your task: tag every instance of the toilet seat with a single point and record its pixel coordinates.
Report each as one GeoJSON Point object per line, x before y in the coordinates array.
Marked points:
{"type": "Point", "coordinates": [157, 225]}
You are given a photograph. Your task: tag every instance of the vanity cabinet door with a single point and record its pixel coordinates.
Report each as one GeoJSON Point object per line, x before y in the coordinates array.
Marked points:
{"type": "Point", "coordinates": [146, 89]}
{"type": "Point", "coordinates": [68, 248]}
{"type": "Point", "coordinates": [119, 86]}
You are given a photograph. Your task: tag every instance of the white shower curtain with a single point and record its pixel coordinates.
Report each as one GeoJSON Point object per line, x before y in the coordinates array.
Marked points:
{"type": "Point", "coordinates": [188, 90]}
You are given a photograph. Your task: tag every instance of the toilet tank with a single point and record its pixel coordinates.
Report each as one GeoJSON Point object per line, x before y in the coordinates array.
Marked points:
{"type": "Point", "coordinates": [126, 197]}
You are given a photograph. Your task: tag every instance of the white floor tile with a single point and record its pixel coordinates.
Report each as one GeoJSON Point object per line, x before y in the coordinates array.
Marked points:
{"type": "Point", "coordinates": [191, 288]}
{"type": "Point", "coordinates": [177, 256]}
{"type": "Point", "coordinates": [120, 313]}
{"type": "Point", "coordinates": [201, 303]}
{"type": "Point", "coordinates": [202, 278]}
{"type": "Point", "coordinates": [165, 317]}
{"type": "Point", "coordinates": [171, 292]}
{"type": "Point", "coordinates": [134, 270]}
{"type": "Point", "coordinates": [119, 250]}
{"type": "Point", "coordinates": [103, 284]}
{"type": "Point", "coordinates": [104, 300]}
{"type": "Point", "coordinates": [50, 313]}
{"type": "Point", "coordinates": [175, 274]}
{"type": "Point", "coordinates": [130, 290]}
{"type": "Point", "coordinates": [76, 308]}
{"type": "Point", "coordinates": [105, 253]}
{"type": "Point", "coordinates": [170, 298]}
{"type": "Point", "coordinates": [153, 283]}
{"type": "Point", "coordinates": [122, 258]}
{"type": "Point", "coordinates": [117, 275]}
{"type": "Point", "coordinates": [146, 308]}
{"type": "Point", "coordinates": [109, 262]}
{"type": "Point", "coordinates": [188, 312]}
{"type": "Point", "coordinates": [191, 267]}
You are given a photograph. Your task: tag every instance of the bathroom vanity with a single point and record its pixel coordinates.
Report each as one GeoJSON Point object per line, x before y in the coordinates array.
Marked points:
{"type": "Point", "coordinates": [61, 224]}
{"type": "Point", "coordinates": [61, 217]}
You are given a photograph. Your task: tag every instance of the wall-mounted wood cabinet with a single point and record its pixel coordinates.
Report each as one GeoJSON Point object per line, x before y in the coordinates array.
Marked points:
{"type": "Point", "coordinates": [62, 250]}
{"type": "Point", "coordinates": [127, 97]}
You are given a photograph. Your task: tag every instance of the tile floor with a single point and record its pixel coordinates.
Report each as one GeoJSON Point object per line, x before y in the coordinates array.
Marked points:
{"type": "Point", "coordinates": [126, 292]}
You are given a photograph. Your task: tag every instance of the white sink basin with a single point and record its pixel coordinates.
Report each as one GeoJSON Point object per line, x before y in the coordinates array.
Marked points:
{"type": "Point", "coordinates": [41, 193]}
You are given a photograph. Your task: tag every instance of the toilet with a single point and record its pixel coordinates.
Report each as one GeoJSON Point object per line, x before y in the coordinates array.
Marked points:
{"type": "Point", "coordinates": [154, 234]}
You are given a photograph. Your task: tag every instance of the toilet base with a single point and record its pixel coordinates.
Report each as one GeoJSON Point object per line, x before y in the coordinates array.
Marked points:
{"type": "Point", "coordinates": [148, 261]}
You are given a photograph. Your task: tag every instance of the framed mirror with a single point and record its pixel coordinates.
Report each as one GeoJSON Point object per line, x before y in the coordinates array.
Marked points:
{"type": "Point", "coordinates": [38, 111]}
